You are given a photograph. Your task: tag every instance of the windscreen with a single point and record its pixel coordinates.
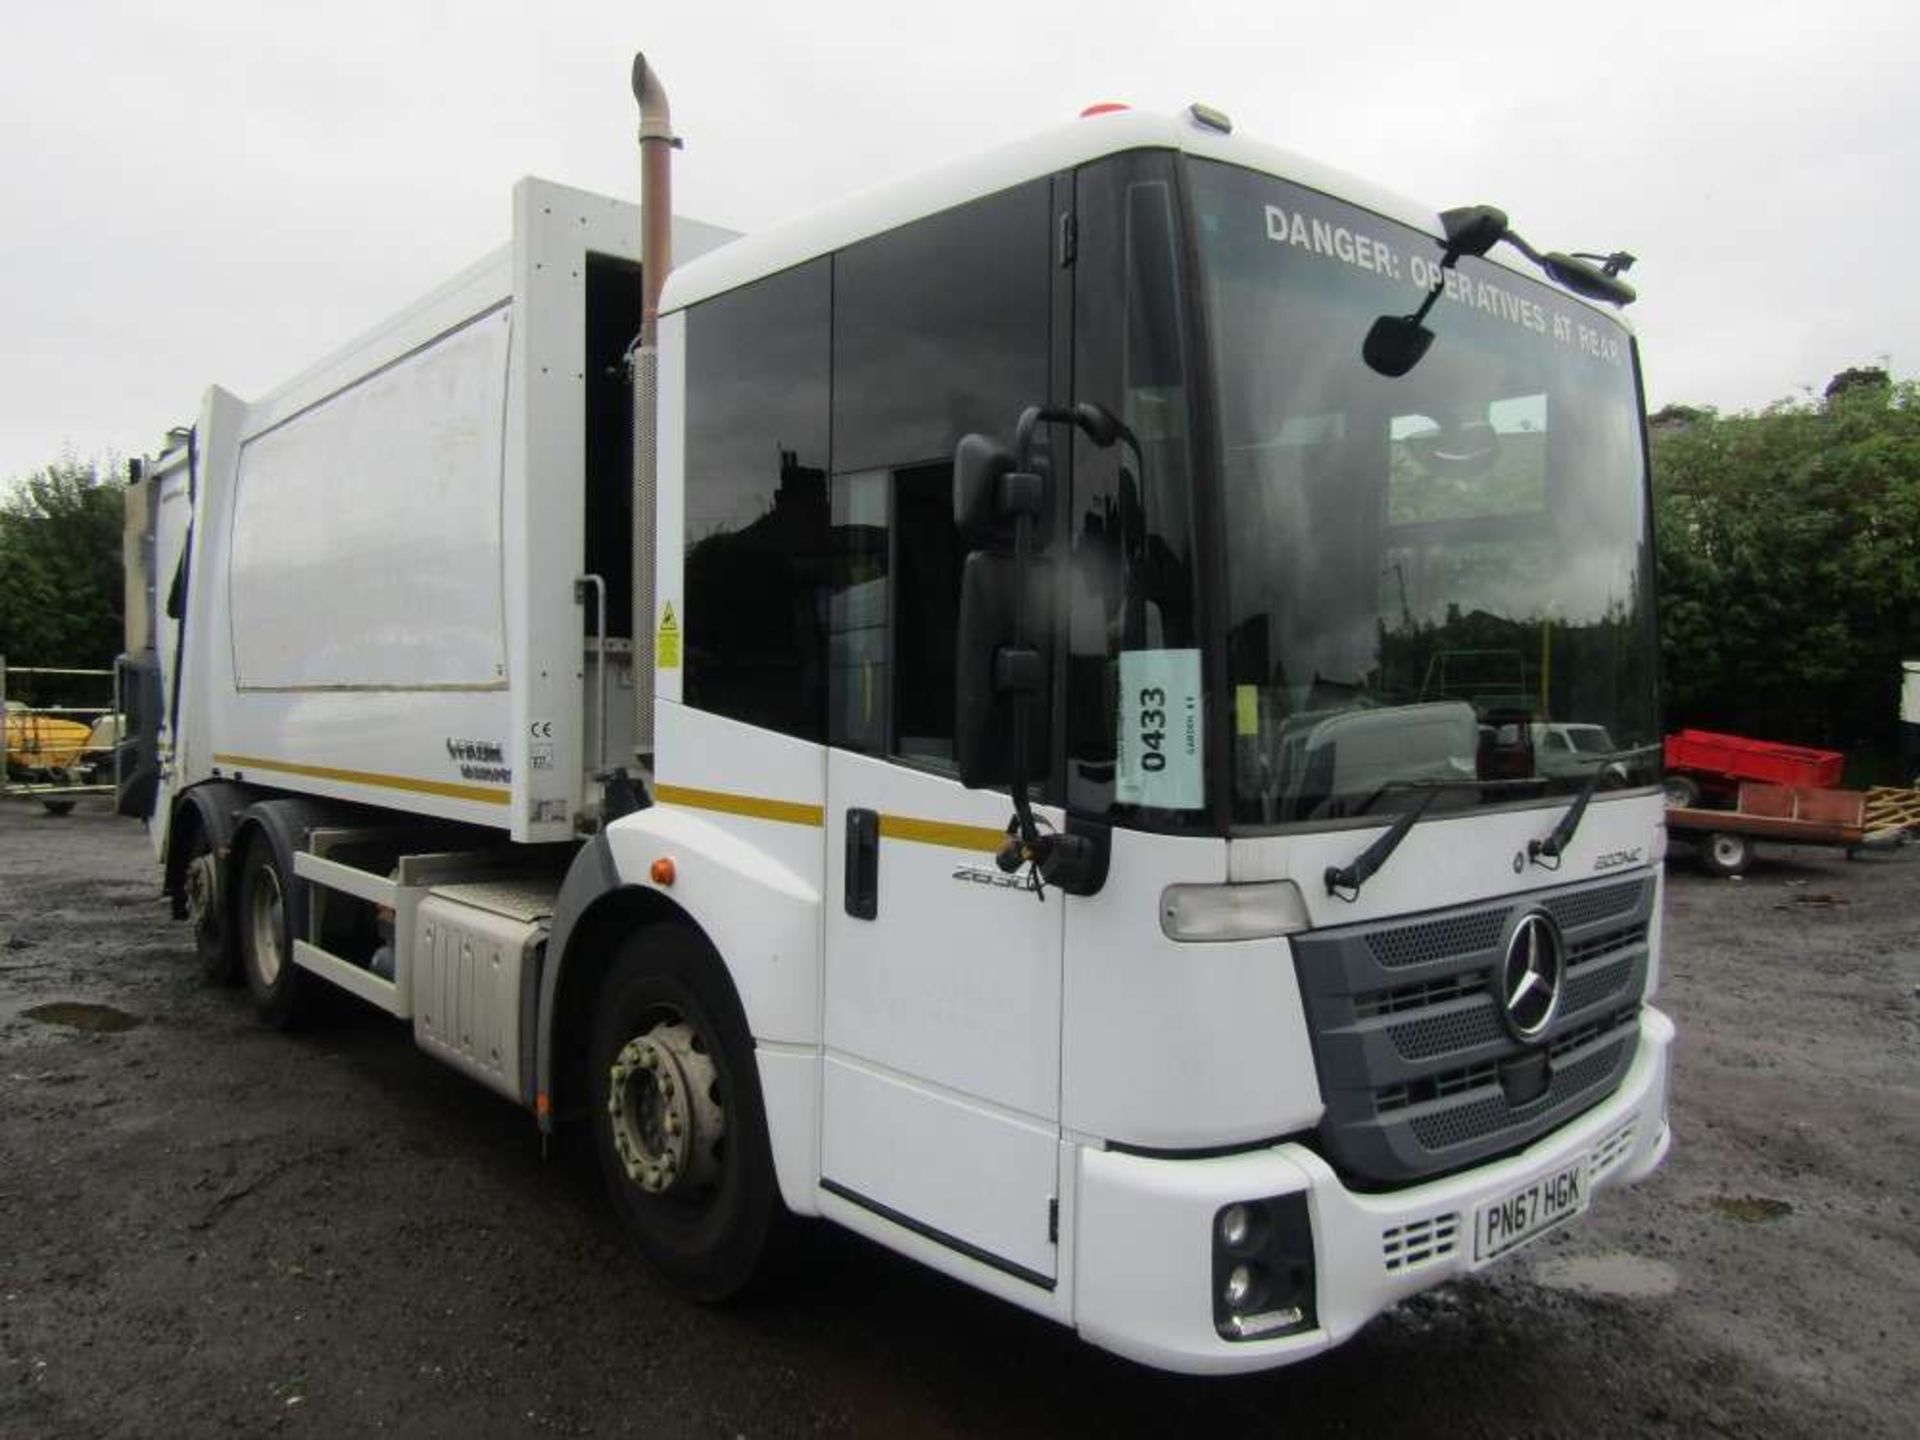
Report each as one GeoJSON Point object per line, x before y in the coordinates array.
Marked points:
{"type": "Point", "coordinates": [1441, 580]}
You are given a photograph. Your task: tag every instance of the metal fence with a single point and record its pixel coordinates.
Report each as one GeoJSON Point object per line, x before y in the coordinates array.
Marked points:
{"type": "Point", "coordinates": [58, 752]}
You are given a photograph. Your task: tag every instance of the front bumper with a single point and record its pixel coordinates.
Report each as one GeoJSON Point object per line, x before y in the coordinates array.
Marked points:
{"type": "Point", "coordinates": [1144, 1227]}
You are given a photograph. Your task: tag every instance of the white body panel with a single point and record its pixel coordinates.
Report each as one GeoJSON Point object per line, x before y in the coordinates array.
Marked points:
{"type": "Point", "coordinates": [385, 550]}
{"type": "Point", "coordinates": [332, 503]}
{"type": "Point", "coordinates": [1174, 1046]}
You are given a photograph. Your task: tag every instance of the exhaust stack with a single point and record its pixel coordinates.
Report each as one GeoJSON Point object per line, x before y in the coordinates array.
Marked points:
{"type": "Point", "coordinates": [657, 144]}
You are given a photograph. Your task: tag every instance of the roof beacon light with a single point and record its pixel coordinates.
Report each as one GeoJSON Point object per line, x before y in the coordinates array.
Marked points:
{"type": "Point", "coordinates": [1209, 118]}
{"type": "Point", "coordinates": [1103, 107]}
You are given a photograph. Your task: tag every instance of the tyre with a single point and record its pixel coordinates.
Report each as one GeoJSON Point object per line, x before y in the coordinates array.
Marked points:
{"type": "Point", "coordinates": [1682, 792]}
{"type": "Point", "coordinates": [205, 884]}
{"type": "Point", "coordinates": [282, 991]}
{"type": "Point", "coordinates": [1726, 854]}
{"type": "Point", "coordinates": [58, 807]}
{"type": "Point", "coordinates": [677, 1115]}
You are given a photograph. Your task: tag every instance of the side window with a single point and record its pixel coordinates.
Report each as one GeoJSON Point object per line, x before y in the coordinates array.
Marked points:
{"type": "Point", "coordinates": [757, 533]}
{"type": "Point", "coordinates": [940, 328]}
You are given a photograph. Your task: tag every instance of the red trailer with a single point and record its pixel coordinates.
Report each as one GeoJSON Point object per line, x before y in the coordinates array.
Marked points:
{"type": "Point", "coordinates": [1786, 814]}
{"type": "Point", "coordinates": [1703, 765]}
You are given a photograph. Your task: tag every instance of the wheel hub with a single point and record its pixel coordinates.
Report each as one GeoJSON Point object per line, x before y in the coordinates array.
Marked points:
{"type": "Point", "coordinates": [667, 1125]}
{"type": "Point", "coordinates": [267, 910]}
{"type": "Point", "coordinates": [201, 878]}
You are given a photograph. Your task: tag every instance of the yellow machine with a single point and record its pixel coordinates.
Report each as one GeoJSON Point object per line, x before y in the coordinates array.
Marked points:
{"type": "Point", "coordinates": [39, 744]}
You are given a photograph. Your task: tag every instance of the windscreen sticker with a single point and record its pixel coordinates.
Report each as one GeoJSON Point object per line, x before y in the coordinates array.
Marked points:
{"type": "Point", "coordinates": [1160, 730]}
{"type": "Point", "coordinates": [1338, 242]}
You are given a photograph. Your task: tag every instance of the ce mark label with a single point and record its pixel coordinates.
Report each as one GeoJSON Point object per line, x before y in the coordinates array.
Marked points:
{"type": "Point", "coordinates": [540, 744]}
{"type": "Point", "coordinates": [540, 730]}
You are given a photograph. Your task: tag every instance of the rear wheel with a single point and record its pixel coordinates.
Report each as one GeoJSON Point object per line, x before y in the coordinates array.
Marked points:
{"type": "Point", "coordinates": [58, 807]}
{"type": "Point", "coordinates": [677, 1114]}
{"type": "Point", "coordinates": [1726, 854]}
{"type": "Point", "coordinates": [281, 992]}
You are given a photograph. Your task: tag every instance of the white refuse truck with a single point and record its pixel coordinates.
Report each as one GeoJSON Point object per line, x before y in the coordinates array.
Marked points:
{"type": "Point", "coordinates": [929, 722]}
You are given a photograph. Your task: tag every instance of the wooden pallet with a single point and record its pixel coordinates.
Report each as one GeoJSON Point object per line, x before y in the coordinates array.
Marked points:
{"type": "Point", "coordinates": [1892, 808]}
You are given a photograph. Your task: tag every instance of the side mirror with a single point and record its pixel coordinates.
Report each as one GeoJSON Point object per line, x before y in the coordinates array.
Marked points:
{"type": "Point", "coordinates": [1394, 345]}
{"type": "Point", "coordinates": [978, 465]}
{"type": "Point", "coordinates": [1589, 280]}
{"type": "Point", "coordinates": [995, 672]}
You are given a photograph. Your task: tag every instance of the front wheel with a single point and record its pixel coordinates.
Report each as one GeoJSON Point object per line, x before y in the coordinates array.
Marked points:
{"type": "Point", "coordinates": [1726, 854]}
{"type": "Point", "coordinates": [58, 807]}
{"type": "Point", "coordinates": [678, 1119]}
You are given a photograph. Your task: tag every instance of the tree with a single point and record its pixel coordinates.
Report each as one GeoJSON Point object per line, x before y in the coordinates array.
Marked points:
{"type": "Point", "coordinates": [61, 593]}
{"type": "Point", "coordinates": [1789, 555]}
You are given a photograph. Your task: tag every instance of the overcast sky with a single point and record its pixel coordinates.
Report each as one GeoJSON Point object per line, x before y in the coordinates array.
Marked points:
{"type": "Point", "coordinates": [223, 191]}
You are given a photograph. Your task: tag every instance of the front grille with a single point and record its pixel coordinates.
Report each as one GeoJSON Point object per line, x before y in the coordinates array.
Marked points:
{"type": "Point", "coordinates": [1411, 944]}
{"type": "Point", "coordinates": [1419, 1072]}
{"type": "Point", "coordinates": [1459, 1124]}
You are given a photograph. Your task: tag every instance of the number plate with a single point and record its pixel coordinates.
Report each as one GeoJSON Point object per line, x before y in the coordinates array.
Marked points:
{"type": "Point", "coordinates": [1529, 1212]}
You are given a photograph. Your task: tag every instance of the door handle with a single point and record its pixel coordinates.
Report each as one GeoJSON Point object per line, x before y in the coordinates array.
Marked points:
{"type": "Point", "coordinates": [863, 864]}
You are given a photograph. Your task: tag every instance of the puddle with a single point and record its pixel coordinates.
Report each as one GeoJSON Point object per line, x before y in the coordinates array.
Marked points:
{"type": "Point", "coordinates": [1617, 1275]}
{"type": "Point", "coordinates": [83, 1015]}
{"type": "Point", "coordinates": [1750, 1209]}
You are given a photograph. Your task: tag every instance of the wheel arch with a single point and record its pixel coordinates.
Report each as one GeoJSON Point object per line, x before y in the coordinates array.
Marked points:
{"type": "Point", "coordinates": [284, 822]}
{"type": "Point", "coordinates": [582, 946]}
{"type": "Point", "coordinates": [211, 809]}
{"type": "Point", "coordinates": [760, 922]}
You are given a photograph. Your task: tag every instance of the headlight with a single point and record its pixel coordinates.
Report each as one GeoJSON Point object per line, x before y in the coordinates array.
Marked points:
{"type": "Point", "coordinates": [1263, 1275]}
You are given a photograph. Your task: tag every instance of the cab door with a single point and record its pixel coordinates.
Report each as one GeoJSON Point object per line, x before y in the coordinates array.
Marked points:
{"type": "Point", "coordinates": [941, 1024]}
{"type": "Point", "coordinates": [942, 1068]}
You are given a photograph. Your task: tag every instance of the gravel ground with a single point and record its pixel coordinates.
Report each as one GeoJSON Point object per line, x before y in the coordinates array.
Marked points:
{"type": "Point", "coordinates": [207, 1227]}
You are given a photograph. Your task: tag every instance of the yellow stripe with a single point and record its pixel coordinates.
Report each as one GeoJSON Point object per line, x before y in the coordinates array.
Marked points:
{"type": "Point", "coordinates": [482, 794]}
{"type": "Point", "coordinates": [940, 832]}
{"type": "Point", "coordinates": [790, 812]}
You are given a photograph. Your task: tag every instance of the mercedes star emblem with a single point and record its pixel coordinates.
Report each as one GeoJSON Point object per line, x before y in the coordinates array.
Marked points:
{"type": "Point", "coordinates": [1532, 976]}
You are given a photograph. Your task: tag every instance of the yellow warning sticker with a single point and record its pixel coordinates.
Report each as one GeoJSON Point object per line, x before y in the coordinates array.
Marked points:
{"type": "Point", "coordinates": [1246, 710]}
{"type": "Point", "coordinates": [666, 644]}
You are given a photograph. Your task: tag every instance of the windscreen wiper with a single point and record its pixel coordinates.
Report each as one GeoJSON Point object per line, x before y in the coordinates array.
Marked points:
{"type": "Point", "coordinates": [1344, 881]}
{"type": "Point", "coordinates": [1539, 852]}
